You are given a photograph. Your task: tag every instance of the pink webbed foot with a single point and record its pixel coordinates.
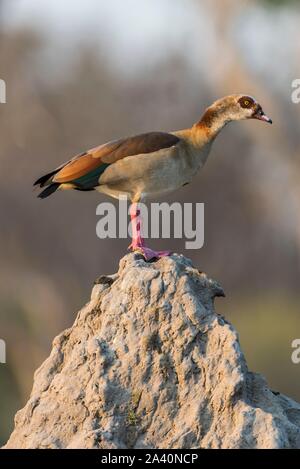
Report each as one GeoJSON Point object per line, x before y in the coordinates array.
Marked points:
{"type": "Point", "coordinates": [137, 244]}
{"type": "Point", "coordinates": [148, 253]}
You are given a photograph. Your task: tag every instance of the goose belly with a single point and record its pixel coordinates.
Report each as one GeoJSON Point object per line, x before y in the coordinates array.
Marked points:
{"type": "Point", "coordinates": [149, 174]}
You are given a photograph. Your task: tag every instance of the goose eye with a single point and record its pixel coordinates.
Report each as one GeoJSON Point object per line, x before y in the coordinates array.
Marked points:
{"type": "Point", "coordinates": [246, 102]}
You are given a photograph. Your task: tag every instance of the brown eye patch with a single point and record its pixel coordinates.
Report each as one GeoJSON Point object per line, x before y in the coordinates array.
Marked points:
{"type": "Point", "coordinates": [246, 102]}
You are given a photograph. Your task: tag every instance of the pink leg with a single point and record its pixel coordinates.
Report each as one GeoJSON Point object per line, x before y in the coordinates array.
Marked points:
{"type": "Point", "coordinates": [138, 242]}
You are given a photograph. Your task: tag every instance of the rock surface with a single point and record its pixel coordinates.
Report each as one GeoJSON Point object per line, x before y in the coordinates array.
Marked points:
{"type": "Point", "coordinates": [148, 363]}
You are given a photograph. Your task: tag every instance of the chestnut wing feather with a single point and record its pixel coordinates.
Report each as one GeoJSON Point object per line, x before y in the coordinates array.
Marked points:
{"type": "Point", "coordinates": [113, 151]}
{"type": "Point", "coordinates": [83, 171]}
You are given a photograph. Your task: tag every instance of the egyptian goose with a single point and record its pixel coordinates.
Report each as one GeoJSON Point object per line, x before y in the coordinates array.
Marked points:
{"type": "Point", "coordinates": [151, 163]}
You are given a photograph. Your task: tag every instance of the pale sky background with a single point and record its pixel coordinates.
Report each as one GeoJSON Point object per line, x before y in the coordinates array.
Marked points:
{"type": "Point", "coordinates": [131, 30]}
{"type": "Point", "coordinates": [135, 33]}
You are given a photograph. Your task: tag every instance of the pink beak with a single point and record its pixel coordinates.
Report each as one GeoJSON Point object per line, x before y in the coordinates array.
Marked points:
{"type": "Point", "coordinates": [260, 115]}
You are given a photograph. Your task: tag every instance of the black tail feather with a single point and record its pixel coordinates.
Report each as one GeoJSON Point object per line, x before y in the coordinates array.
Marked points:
{"type": "Point", "coordinates": [85, 189]}
{"type": "Point", "coordinates": [44, 179]}
{"type": "Point", "coordinates": [49, 190]}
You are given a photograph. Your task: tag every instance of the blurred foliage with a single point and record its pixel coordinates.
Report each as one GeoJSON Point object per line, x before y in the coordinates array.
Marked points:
{"type": "Point", "coordinates": [267, 327]}
{"type": "Point", "coordinates": [10, 401]}
{"type": "Point", "coordinates": [280, 3]}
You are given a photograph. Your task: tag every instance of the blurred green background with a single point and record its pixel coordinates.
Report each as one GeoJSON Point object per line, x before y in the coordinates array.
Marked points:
{"type": "Point", "coordinates": [82, 73]}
